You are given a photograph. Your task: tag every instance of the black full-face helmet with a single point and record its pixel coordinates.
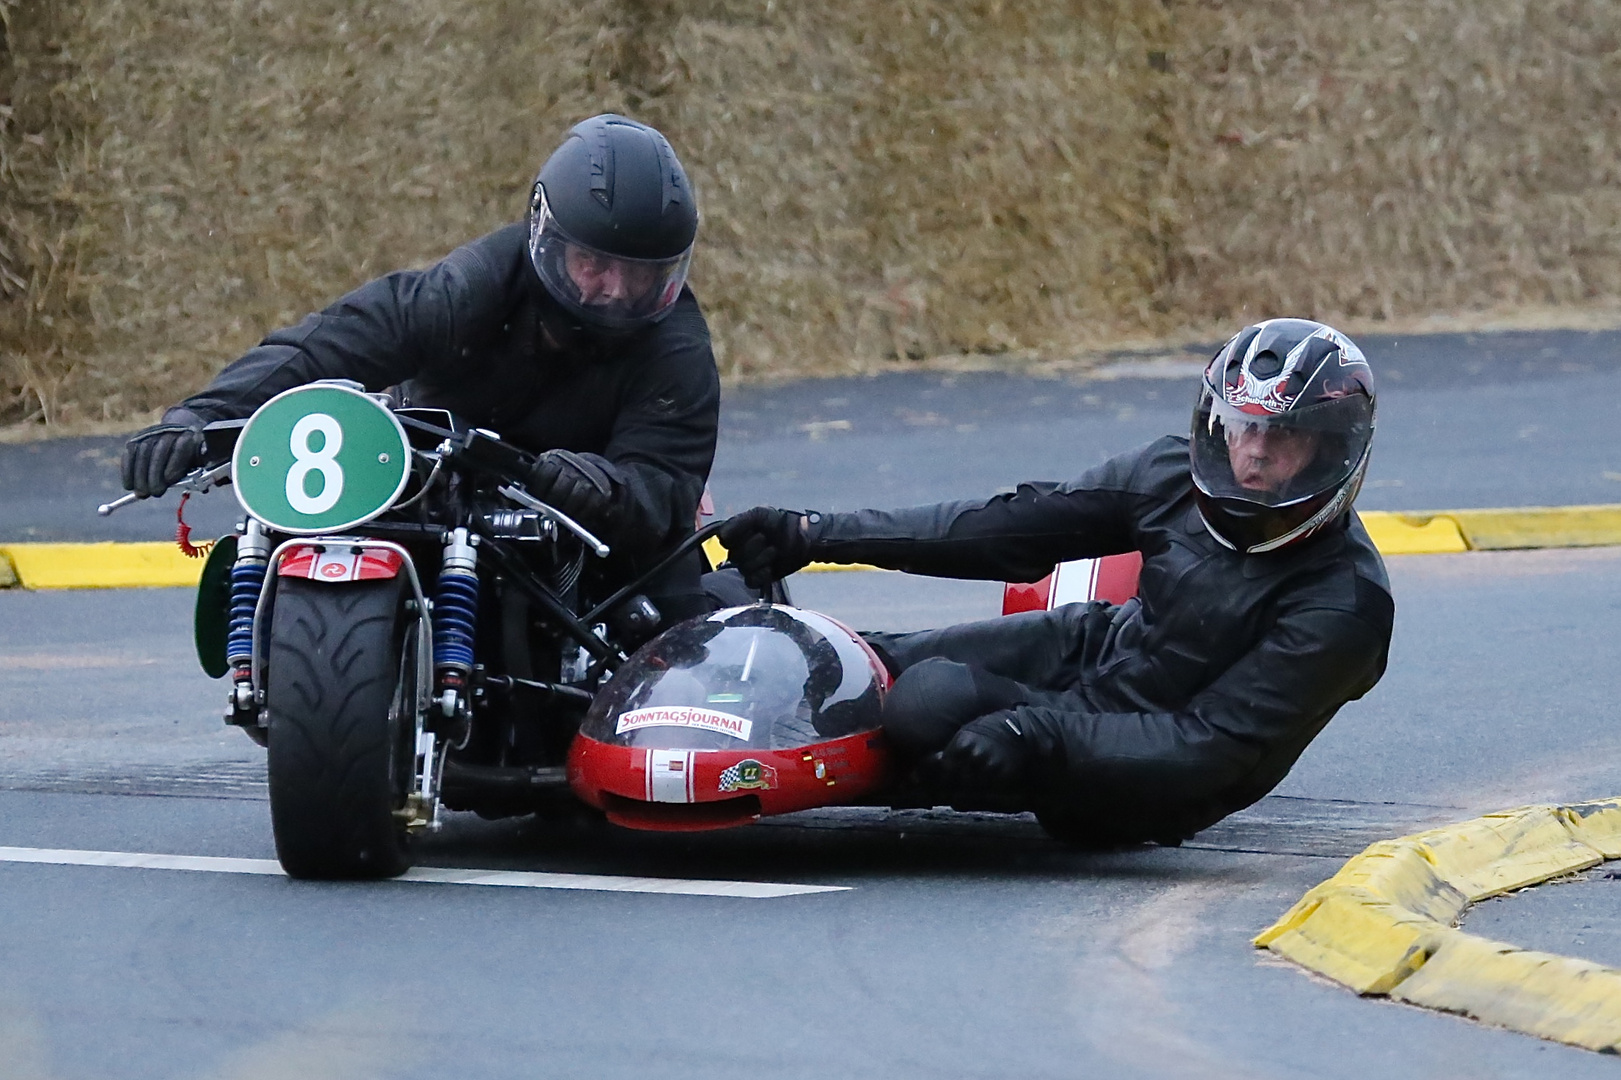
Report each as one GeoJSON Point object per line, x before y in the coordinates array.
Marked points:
{"type": "Point", "coordinates": [1281, 434]}
{"type": "Point", "coordinates": [611, 224]}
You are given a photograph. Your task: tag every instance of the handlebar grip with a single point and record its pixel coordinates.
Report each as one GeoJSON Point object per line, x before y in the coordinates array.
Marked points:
{"type": "Point", "coordinates": [122, 501]}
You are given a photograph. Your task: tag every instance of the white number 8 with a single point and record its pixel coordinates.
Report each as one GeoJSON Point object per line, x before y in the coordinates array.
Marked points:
{"type": "Point", "coordinates": [323, 461]}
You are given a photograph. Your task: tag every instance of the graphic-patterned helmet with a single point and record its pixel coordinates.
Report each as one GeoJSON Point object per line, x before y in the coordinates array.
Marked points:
{"type": "Point", "coordinates": [1281, 434]}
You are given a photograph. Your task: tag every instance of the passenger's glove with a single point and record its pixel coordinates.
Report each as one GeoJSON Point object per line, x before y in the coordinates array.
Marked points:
{"type": "Point", "coordinates": [990, 752]}
{"type": "Point", "coordinates": [767, 544]}
{"type": "Point", "coordinates": [163, 453]}
{"type": "Point", "coordinates": [580, 485]}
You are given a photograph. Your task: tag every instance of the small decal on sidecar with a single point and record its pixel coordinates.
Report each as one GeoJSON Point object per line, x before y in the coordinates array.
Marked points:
{"type": "Point", "coordinates": [685, 716]}
{"type": "Point", "coordinates": [748, 774]}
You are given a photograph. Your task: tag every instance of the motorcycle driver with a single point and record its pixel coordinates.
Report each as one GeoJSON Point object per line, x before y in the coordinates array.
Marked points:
{"type": "Point", "coordinates": [574, 335]}
{"type": "Point", "coordinates": [1262, 606]}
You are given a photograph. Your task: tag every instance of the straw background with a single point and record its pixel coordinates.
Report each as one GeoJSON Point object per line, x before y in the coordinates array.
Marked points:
{"type": "Point", "coordinates": [880, 182]}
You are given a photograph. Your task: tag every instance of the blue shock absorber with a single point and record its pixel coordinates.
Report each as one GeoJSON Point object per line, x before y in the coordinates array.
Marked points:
{"type": "Point", "coordinates": [455, 612]}
{"type": "Point", "coordinates": [247, 583]}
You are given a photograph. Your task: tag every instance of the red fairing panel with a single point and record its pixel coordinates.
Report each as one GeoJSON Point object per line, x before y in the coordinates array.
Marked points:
{"type": "Point", "coordinates": [1017, 596]}
{"type": "Point", "coordinates": [688, 790]}
{"type": "Point", "coordinates": [1112, 578]}
{"type": "Point", "coordinates": [338, 563]}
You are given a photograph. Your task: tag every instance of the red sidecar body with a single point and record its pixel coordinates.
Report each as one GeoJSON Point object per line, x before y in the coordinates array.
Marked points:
{"type": "Point", "coordinates": [764, 709]}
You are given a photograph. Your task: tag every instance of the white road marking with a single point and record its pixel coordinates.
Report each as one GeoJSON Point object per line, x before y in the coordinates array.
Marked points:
{"type": "Point", "coordinates": [211, 864]}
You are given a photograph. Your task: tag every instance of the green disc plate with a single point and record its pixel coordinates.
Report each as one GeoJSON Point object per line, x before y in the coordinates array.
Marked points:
{"type": "Point", "coordinates": [320, 459]}
{"type": "Point", "coordinates": [212, 622]}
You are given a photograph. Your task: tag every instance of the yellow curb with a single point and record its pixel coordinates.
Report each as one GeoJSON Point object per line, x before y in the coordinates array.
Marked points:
{"type": "Point", "coordinates": [715, 551]}
{"type": "Point", "coordinates": [108, 565]}
{"type": "Point", "coordinates": [1383, 925]}
{"type": "Point", "coordinates": [1413, 534]}
{"type": "Point", "coordinates": [1540, 527]}
{"type": "Point", "coordinates": [101, 566]}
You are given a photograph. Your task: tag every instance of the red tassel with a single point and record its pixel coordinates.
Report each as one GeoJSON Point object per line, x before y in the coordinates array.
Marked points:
{"type": "Point", "coordinates": [182, 533]}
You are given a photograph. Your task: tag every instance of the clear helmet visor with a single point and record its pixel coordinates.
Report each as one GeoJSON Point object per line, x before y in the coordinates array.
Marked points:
{"type": "Point", "coordinates": [1278, 459]}
{"type": "Point", "coordinates": [610, 291]}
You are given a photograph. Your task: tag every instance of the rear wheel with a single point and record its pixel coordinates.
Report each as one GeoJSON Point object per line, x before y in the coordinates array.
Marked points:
{"type": "Point", "coordinates": [340, 739]}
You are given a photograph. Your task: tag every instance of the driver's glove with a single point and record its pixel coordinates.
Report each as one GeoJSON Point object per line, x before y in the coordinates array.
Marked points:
{"type": "Point", "coordinates": [987, 753]}
{"type": "Point", "coordinates": [767, 544]}
{"type": "Point", "coordinates": [163, 453]}
{"type": "Point", "coordinates": [580, 485]}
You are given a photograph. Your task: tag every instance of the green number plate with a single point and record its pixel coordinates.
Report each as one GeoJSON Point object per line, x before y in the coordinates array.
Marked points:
{"type": "Point", "coordinates": [318, 459]}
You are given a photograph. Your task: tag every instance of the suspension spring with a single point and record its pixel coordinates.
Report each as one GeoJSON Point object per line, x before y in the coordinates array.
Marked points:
{"type": "Point", "coordinates": [247, 582]}
{"type": "Point", "coordinates": [455, 611]}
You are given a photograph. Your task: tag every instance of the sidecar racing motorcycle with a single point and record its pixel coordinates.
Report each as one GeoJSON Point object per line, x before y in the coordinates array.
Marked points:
{"type": "Point", "coordinates": [406, 629]}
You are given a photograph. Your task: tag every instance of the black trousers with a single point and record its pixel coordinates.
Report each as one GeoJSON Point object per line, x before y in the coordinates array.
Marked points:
{"type": "Point", "coordinates": [957, 673]}
{"type": "Point", "coordinates": [947, 677]}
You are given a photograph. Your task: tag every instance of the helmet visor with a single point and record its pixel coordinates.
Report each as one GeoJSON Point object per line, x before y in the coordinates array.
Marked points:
{"type": "Point", "coordinates": [609, 290]}
{"type": "Point", "coordinates": [1276, 459]}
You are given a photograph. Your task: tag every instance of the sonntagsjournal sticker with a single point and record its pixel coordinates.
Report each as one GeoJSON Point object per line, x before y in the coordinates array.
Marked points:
{"type": "Point", "coordinates": [685, 716]}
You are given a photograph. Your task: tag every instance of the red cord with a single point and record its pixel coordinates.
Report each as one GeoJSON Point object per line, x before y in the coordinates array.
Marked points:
{"type": "Point", "coordinates": [182, 532]}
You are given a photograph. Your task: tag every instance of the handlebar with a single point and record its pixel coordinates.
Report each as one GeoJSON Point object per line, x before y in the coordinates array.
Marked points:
{"type": "Point", "coordinates": [528, 501]}
{"type": "Point", "coordinates": [196, 481]}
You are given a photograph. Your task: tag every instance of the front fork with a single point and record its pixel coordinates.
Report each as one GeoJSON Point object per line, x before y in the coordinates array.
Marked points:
{"type": "Point", "coordinates": [450, 660]}
{"type": "Point", "coordinates": [441, 654]}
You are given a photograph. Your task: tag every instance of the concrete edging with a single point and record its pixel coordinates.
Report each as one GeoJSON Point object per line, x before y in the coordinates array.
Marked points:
{"type": "Point", "coordinates": [1384, 925]}
{"type": "Point", "coordinates": [121, 565]}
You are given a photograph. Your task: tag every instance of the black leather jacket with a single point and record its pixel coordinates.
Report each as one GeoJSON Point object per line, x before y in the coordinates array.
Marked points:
{"type": "Point", "coordinates": [465, 334]}
{"type": "Point", "coordinates": [1193, 699]}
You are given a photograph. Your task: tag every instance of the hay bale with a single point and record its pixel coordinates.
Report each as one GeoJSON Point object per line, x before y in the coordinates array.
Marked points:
{"type": "Point", "coordinates": [1357, 160]}
{"type": "Point", "coordinates": [292, 149]}
{"type": "Point", "coordinates": [915, 177]}
{"type": "Point", "coordinates": [44, 322]}
{"type": "Point", "coordinates": [879, 180]}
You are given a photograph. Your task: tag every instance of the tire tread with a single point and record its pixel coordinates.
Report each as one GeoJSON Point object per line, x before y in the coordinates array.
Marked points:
{"type": "Point", "coordinates": [332, 669]}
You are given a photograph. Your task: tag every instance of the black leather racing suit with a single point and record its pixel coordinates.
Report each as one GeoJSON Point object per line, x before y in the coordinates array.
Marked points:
{"type": "Point", "coordinates": [1159, 717]}
{"type": "Point", "coordinates": [466, 335]}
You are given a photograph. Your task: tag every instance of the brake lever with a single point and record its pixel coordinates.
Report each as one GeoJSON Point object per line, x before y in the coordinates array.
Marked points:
{"type": "Point", "coordinates": [528, 501]}
{"type": "Point", "coordinates": [197, 481]}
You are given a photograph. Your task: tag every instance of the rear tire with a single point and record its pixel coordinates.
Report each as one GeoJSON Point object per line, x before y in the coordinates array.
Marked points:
{"type": "Point", "coordinates": [340, 749]}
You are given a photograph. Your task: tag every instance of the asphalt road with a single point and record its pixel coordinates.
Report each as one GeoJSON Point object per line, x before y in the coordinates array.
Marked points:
{"type": "Point", "coordinates": [962, 945]}
{"type": "Point", "coordinates": [966, 945]}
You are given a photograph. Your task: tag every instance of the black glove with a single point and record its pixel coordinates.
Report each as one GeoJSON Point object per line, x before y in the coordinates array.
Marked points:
{"type": "Point", "coordinates": [580, 485]}
{"type": "Point", "coordinates": [766, 544]}
{"type": "Point", "coordinates": [989, 752]}
{"type": "Point", "coordinates": [163, 453]}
